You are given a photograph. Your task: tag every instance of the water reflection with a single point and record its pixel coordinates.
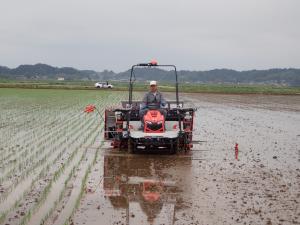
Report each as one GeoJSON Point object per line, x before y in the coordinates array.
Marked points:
{"type": "Point", "coordinates": [150, 188]}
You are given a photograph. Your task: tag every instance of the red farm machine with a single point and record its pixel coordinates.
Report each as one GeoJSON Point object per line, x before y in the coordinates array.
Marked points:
{"type": "Point", "coordinates": [173, 133]}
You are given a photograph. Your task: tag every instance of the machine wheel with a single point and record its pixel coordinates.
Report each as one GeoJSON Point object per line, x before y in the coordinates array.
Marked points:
{"type": "Point", "coordinates": [131, 146]}
{"type": "Point", "coordinates": [173, 147]}
{"type": "Point", "coordinates": [119, 146]}
{"type": "Point", "coordinates": [186, 142]}
{"type": "Point", "coordinates": [176, 146]}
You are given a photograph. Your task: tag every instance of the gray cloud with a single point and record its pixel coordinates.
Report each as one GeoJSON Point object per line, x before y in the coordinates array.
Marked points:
{"type": "Point", "coordinates": [113, 34]}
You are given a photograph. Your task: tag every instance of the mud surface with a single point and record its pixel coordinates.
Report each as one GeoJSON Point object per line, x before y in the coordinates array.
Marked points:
{"type": "Point", "coordinates": [207, 185]}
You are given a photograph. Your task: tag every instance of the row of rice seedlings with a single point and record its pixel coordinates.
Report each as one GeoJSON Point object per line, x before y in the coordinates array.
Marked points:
{"type": "Point", "coordinates": [17, 126]}
{"type": "Point", "coordinates": [72, 203]}
{"type": "Point", "coordinates": [48, 142]}
{"type": "Point", "coordinates": [27, 163]}
{"type": "Point", "coordinates": [75, 131]}
{"type": "Point", "coordinates": [21, 138]}
{"type": "Point", "coordinates": [83, 187]}
{"type": "Point", "coordinates": [40, 129]}
{"type": "Point", "coordinates": [62, 155]}
{"type": "Point", "coordinates": [14, 114]}
{"type": "Point", "coordinates": [30, 111]}
{"type": "Point", "coordinates": [21, 122]}
{"type": "Point", "coordinates": [50, 154]}
{"type": "Point", "coordinates": [61, 195]}
{"type": "Point", "coordinates": [57, 170]}
{"type": "Point", "coordinates": [33, 110]}
{"type": "Point", "coordinates": [34, 178]}
{"type": "Point", "coordinates": [114, 103]}
{"type": "Point", "coordinates": [42, 143]}
{"type": "Point", "coordinates": [2, 218]}
{"type": "Point", "coordinates": [28, 107]}
{"type": "Point", "coordinates": [15, 160]}
{"type": "Point", "coordinates": [33, 113]}
{"type": "Point", "coordinates": [19, 145]}
{"type": "Point", "coordinates": [42, 200]}
{"type": "Point", "coordinates": [43, 139]}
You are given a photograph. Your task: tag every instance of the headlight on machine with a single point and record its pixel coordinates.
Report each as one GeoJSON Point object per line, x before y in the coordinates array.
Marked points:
{"type": "Point", "coordinates": [187, 116]}
{"type": "Point", "coordinates": [118, 115]}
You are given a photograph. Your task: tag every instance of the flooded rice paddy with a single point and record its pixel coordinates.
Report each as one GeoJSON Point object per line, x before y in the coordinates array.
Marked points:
{"type": "Point", "coordinates": [56, 169]}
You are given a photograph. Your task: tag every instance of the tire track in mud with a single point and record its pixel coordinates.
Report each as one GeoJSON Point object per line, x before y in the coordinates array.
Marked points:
{"type": "Point", "coordinates": [259, 188]}
{"type": "Point", "coordinates": [233, 192]}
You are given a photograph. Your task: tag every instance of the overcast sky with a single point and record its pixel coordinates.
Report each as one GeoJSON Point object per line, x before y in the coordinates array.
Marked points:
{"type": "Point", "coordinates": [114, 34]}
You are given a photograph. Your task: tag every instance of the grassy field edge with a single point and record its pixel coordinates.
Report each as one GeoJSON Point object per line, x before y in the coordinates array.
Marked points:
{"type": "Point", "coordinates": [188, 88]}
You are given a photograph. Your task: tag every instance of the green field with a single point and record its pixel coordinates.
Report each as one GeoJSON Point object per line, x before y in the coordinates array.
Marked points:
{"type": "Point", "coordinates": [48, 144]}
{"type": "Point", "coordinates": [166, 87]}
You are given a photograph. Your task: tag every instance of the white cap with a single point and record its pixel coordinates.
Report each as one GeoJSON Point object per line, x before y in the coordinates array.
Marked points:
{"type": "Point", "coordinates": [153, 82]}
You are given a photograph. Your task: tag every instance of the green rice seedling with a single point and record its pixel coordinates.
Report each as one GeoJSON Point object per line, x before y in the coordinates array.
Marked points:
{"type": "Point", "coordinates": [48, 129]}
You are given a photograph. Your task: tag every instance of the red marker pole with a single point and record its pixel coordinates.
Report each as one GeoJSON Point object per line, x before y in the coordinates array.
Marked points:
{"type": "Point", "coordinates": [236, 148]}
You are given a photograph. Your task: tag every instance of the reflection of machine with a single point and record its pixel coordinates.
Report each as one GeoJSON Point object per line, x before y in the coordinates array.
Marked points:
{"type": "Point", "coordinates": [151, 190]}
{"type": "Point", "coordinates": [142, 188]}
{"type": "Point", "coordinates": [172, 133]}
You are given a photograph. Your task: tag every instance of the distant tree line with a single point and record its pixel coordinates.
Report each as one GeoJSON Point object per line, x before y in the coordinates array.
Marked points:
{"type": "Point", "coordinates": [289, 77]}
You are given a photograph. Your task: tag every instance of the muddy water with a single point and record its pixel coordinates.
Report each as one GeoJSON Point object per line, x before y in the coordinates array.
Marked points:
{"type": "Point", "coordinates": [208, 185]}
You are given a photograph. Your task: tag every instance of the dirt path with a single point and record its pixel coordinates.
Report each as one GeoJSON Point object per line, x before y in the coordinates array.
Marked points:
{"type": "Point", "coordinates": [207, 186]}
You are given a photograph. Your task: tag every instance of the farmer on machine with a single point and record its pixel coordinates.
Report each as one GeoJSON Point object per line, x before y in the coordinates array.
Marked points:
{"type": "Point", "coordinates": [152, 100]}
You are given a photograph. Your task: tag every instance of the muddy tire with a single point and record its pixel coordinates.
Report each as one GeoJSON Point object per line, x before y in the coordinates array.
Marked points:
{"type": "Point", "coordinates": [176, 146]}
{"type": "Point", "coordinates": [173, 147]}
{"type": "Point", "coordinates": [186, 147]}
{"type": "Point", "coordinates": [119, 147]}
{"type": "Point", "coordinates": [131, 147]}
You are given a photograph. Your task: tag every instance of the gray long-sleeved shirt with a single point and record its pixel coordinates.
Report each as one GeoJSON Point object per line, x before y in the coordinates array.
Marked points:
{"type": "Point", "coordinates": [153, 99]}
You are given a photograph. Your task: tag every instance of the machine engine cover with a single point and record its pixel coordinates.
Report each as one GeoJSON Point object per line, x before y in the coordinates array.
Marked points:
{"type": "Point", "coordinates": [154, 122]}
